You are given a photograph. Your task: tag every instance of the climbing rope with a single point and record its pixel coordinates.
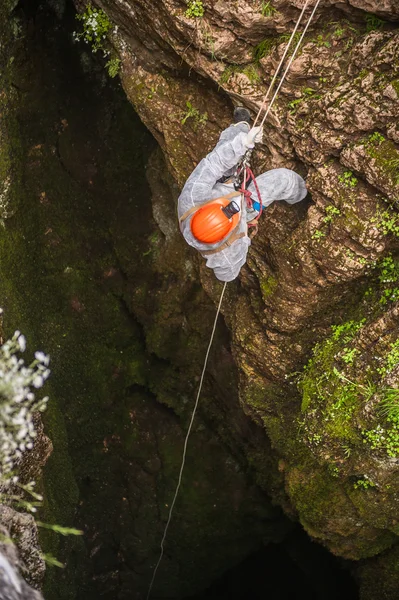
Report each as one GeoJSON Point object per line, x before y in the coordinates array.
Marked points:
{"type": "Point", "coordinates": [289, 63]}
{"type": "Point", "coordinates": [281, 61]}
{"type": "Point", "coordinates": [244, 197]}
{"type": "Point", "coordinates": [186, 442]}
{"type": "Point", "coordinates": [245, 161]}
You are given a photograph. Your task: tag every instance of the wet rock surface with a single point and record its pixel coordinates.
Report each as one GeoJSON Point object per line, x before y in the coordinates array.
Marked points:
{"type": "Point", "coordinates": [126, 308]}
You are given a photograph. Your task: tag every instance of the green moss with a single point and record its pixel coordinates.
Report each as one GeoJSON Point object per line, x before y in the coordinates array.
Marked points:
{"type": "Point", "coordinates": [315, 495]}
{"type": "Point", "coordinates": [267, 286]}
{"type": "Point", "coordinates": [330, 397]}
{"type": "Point", "coordinates": [386, 157]}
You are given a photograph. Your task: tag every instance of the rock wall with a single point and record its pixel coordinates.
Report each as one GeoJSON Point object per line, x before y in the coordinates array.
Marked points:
{"type": "Point", "coordinates": [316, 391]}
{"type": "Point", "coordinates": [84, 274]}
{"type": "Point", "coordinates": [19, 548]}
{"type": "Point", "coordinates": [123, 305]}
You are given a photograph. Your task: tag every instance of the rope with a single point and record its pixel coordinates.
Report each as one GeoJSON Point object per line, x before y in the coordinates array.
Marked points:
{"type": "Point", "coordinates": [185, 444]}
{"type": "Point", "coordinates": [291, 61]}
{"type": "Point", "coordinates": [281, 62]}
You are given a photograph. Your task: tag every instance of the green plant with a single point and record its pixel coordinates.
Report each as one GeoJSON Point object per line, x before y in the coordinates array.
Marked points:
{"type": "Point", "coordinates": [317, 235]}
{"type": "Point", "coordinates": [58, 529]}
{"type": "Point", "coordinates": [365, 483]}
{"type": "Point", "coordinates": [209, 41]}
{"type": "Point", "coordinates": [151, 93]}
{"type": "Point", "coordinates": [367, 390]}
{"type": "Point", "coordinates": [249, 71]}
{"type": "Point", "coordinates": [373, 23]}
{"type": "Point", "coordinates": [195, 9]}
{"type": "Point", "coordinates": [320, 41]}
{"type": "Point", "coordinates": [264, 48]}
{"type": "Point", "coordinates": [96, 27]}
{"type": "Point", "coordinates": [267, 10]}
{"type": "Point", "coordinates": [285, 37]}
{"type": "Point", "coordinates": [387, 221]}
{"type": "Point", "coordinates": [307, 92]}
{"type": "Point", "coordinates": [388, 270]}
{"type": "Point", "coordinates": [384, 438]}
{"type": "Point", "coordinates": [333, 470]}
{"type": "Point", "coordinates": [349, 354]}
{"type": "Point", "coordinates": [376, 138]}
{"type": "Point", "coordinates": [347, 331]}
{"type": "Point", "coordinates": [389, 403]}
{"type": "Point", "coordinates": [392, 359]}
{"type": "Point", "coordinates": [330, 399]}
{"type": "Point", "coordinates": [293, 105]}
{"type": "Point", "coordinates": [18, 404]}
{"type": "Point", "coordinates": [348, 179]}
{"type": "Point", "coordinates": [393, 168]}
{"type": "Point", "coordinates": [331, 212]}
{"type": "Point", "coordinates": [51, 561]}
{"type": "Point", "coordinates": [113, 66]}
{"type": "Point", "coordinates": [338, 32]}
{"type": "Point", "coordinates": [347, 450]}
{"type": "Point", "coordinates": [194, 113]}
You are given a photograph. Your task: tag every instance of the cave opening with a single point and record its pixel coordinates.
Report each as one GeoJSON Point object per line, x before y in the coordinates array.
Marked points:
{"type": "Point", "coordinates": [85, 135]}
{"type": "Point", "coordinates": [294, 568]}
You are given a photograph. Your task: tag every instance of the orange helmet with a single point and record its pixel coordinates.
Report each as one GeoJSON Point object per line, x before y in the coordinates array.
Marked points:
{"type": "Point", "coordinates": [215, 220]}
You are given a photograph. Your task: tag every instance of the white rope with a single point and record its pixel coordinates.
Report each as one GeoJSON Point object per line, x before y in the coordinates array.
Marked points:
{"type": "Point", "coordinates": [281, 61]}
{"type": "Point", "coordinates": [290, 62]}
{"type": "Point", "coordinates": [185, 444]}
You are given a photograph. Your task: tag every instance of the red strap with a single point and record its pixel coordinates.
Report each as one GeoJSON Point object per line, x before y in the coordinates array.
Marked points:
{"type": "Point", "coordinates": [248, 195]}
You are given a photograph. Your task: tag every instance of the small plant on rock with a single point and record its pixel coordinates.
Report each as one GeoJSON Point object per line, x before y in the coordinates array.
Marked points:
{"type": "Point", "coordinates": [267, 9]}
{"type": "Point", "coordinates": [113, 66]}
{"type": "Point", "coordinates": [195, 9]}
{"type": "Point", "coordinates": [387, 221]}
{"type": "Point", "coordinates": [194, 113]}
{"type": "Point", "coordinates": [331, 212]}
{"type": "Point", "coordinates": [376, 138]}
{"type": "Point", "coordinates": [348, 179]}
{"type": "Point", "coordinates": [389, 404]}
{"type": "Point", "coordinates": [317, 235]}
{"type": "Point", "coordinates": [264, 48]}
{"type": "Point", "coordinates": [349, 355]}
{"type": "Point", "coordinates": [364, 484]}
{"type": "Point", "coordinates": [321, 41]}
{"type": "Point", "coordinates": [17, 400]}
{"type": "Point", "coordinates": [393, 167]}
{"type": "Point", "coordinates": [96, 26]}
{"type": "Point", "coordinates": [373, 23]}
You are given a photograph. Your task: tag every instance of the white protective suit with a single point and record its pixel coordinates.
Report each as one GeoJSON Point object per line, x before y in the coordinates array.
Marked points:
{"type": "Point", "coordinates": [203, 185]}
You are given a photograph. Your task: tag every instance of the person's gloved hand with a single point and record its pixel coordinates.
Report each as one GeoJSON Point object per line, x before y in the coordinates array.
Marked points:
{"type": "Point", "coordinates": [255, 136]}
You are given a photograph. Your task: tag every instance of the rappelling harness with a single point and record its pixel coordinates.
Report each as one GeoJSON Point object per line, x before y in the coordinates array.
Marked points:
{"type": "Point", "coordinates": [243, 177]}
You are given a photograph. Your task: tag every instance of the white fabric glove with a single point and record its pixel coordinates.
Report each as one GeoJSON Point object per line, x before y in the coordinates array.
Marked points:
{"type": "Point", "coordinates": [255, 136]}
